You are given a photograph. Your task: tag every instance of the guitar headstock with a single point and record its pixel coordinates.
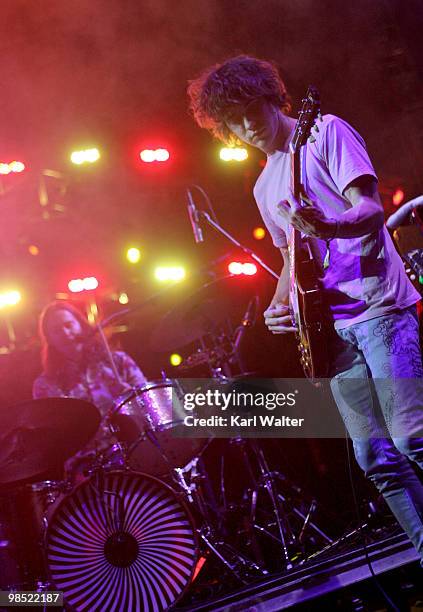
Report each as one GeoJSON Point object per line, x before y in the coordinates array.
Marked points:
{"type": "Point", "coordinates": [307, 116]}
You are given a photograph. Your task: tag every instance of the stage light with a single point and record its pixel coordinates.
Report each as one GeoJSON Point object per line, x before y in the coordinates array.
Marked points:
{"type": "Point", "coordinates": [259, 233]}
{"type": "Point", "coordinates": [87, 156]}
{"type": "Point", "coordinates": [77, 285]}
{"type": "Point", "coordinates": [14, 166]}
{"type": "Point", "coordinates": [9, 298]}
{"type": "Point", "coordinates": [249, 269]}
{"type": "Point", "coordinates": [33, 249]}
{"type": "Point", "coordinates": [123, 298]}
{"type": "Point", "coordinates": [147, 156]}
{"type": "Point", "coordinates": [90, 283]}
{"type": "Point", "coordinates": [237, 268]}
{"type": "Point", "coordinates": [133, 255]}
{"type": "Point", "coordinates": [398, 196]}
{"type": "Point", "coordinates": [169, 273]}
{"type": "Point", "coordinates": [157, 155]}
{"type": "Point", "coordinates": [233, 154]}
{"type": "Point", "coordinates": [240, 154]}
{"type": "Point", "coordinates": [162, 155]}
{"type": "Point", "coordinates": [175, 359]}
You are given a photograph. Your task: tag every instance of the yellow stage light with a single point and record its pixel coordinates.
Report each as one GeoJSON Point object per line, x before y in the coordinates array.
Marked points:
{"type": "Point", "coordinates": [259, 233]}
{"type": "Point", "coordinates": [33, 249]}
{"type": "Point", "coordinates": [169, 273]}
{"type": "Point", "coordinates": [133, 255]}
{"type": "Point", "coordinates": [123, 298]}
{"type": "Point", "coordinates": [9, 298]}
{"type": "Point", "coordinates": [87, 156]}
{"type": "Point", "coordinates": [175, 359]}
{"type": "Point", "coordinates": [233, 154]}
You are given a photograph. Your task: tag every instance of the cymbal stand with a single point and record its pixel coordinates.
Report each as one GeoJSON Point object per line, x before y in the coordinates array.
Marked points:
{"type": "Point", "coordinates": [267, 479]}
{"type": "Point", "coordinates": [285, 533]}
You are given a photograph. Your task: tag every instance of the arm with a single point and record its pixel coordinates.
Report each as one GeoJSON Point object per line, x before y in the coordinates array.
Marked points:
{"type": "Point", "coordinates": [277, 317]}
{"type": "Point", "coordinates": [398, 217]}
{"type": "Point", "coordinates": [365, 216]}
{"type": "Point", "coordinates": [132, 374]}
{"type": "Point", "coordinates": [281, 295]}
{"type": "Point", "coordinates": [43, 388]}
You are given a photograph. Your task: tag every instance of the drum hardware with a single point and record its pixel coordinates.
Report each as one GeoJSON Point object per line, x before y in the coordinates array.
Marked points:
{"type": "Point", "coordinates": [193, 481]}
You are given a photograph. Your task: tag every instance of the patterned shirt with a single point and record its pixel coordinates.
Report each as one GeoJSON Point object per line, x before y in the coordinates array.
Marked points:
{"type": "Point", "coordinates": [98, 385]}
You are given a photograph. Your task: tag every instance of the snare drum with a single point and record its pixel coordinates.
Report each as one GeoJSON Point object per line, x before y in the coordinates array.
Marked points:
{"type": "Point", "coordinates": [145, 420]}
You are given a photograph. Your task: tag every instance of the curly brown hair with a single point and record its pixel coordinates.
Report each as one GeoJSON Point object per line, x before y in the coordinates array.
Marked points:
{"type": "Point", "coordinates": [237, 81]}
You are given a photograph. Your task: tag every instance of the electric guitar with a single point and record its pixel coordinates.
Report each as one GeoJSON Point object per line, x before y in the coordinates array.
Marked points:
{"type": "Point", "coordinates": [305, 295]}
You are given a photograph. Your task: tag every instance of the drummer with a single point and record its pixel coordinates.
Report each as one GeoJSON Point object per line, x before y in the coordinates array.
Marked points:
{"type": "Point", "coordinates": [76, 363]}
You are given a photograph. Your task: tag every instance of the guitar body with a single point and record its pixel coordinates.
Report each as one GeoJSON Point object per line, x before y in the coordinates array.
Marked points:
{"type": "Point", "coordinates": [306, 299]}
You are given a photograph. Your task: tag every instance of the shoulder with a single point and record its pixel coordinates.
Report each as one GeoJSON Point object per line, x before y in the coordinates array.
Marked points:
{"type": "Point", "coordinates": [122, 357]}
{"type": "Point", "coordinates": [124, 360]}
{"type": "Point", "coordinates": [334, 127]}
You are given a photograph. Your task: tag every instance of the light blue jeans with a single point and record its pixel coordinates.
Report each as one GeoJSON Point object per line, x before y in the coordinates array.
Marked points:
{"type": "Point", "coordinates": [378, 387]}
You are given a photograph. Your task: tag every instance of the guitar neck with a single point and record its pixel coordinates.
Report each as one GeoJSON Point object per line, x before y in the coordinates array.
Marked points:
{"type": "Point", "coordinates": [296, 186]}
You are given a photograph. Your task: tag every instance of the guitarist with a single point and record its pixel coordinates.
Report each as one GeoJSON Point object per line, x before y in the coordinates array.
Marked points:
{"type": "Point", "coordinates": [369, 299]}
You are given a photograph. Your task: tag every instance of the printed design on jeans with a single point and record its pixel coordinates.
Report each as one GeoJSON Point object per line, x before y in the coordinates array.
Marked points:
{"type": "Point", "coordinates": [416, 362]}
{"type": "Point", "coordinates": [391, 337]}
{"type": "Point", "coordinates": [391, 402]}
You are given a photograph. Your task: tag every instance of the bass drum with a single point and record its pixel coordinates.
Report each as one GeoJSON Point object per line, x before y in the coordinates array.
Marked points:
{"type": "Point", "coordinates": [121, 541]}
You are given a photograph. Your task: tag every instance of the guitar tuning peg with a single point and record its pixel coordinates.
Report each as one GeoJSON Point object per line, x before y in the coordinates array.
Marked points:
{"type": "Point", "coordinates": [311, 139]}
{"type": "Point", "coordinates": [319, 116]}
{"type": "Point", "coordinates": [315, 128]}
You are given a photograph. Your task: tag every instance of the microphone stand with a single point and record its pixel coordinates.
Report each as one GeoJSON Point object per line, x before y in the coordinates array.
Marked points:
{"type": "Point", "coordinates": [249, 252]}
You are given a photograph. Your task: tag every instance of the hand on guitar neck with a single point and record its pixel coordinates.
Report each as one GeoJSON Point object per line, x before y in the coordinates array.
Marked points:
{"type": "Point", "coordinates": [278, 319]}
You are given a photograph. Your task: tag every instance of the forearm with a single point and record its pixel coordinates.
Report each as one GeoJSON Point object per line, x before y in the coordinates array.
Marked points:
{"type": "Point", "coordinates": [363, 218]}
{"type": "Point", "coordinates": [281, 295]}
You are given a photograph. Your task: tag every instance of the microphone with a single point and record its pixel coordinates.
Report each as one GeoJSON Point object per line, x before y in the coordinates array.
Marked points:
{"type": "Point", "coordinates": [194, 218]}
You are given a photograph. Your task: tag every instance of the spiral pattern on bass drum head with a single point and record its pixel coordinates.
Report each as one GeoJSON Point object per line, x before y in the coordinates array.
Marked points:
{"type": "Point", "coordinates": [121, 541]}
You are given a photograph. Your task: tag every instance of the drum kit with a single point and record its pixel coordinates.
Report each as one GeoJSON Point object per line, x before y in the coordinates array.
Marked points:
{"type": "Point", "coordinates": [133, 530]}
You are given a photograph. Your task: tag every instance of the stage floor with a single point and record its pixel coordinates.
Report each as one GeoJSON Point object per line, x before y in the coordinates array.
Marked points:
{"type": "Point", "coordinates": [307, 586]}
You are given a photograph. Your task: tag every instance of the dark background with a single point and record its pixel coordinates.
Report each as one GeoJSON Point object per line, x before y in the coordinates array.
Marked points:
{"type": "Point", "coordinates": [113, 74]}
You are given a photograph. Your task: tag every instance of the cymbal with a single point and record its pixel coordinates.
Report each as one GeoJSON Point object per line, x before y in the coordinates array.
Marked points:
{"type": "Point", "coordinates": [37, 436]}
{"type": "Point", "coordinates": [201, 313]}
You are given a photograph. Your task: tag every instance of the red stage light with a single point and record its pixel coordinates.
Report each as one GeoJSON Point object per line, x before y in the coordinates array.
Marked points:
{"type": "Point", "coordinates": [154, 155]}
{"type": "Point", "coordinates": [76, 285]}
{"type": "Point", "coordinates": [237, 268]}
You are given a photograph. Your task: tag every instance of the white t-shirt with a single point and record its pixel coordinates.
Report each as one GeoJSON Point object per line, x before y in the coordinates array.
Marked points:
{"type": "Point", "coordinates": [366, 277]}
